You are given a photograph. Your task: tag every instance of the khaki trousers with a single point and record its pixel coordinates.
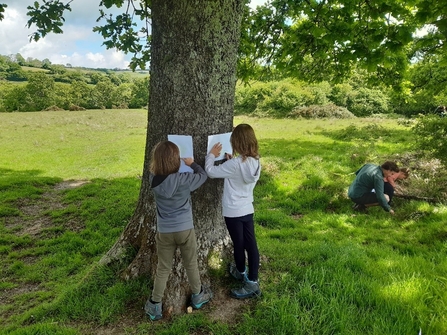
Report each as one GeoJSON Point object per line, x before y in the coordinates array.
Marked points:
{"type": "Point", "coordinates": [167, 243]}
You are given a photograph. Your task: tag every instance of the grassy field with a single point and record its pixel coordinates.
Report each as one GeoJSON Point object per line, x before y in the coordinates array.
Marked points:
{"type": "Point", "coordinates": [69, 182]}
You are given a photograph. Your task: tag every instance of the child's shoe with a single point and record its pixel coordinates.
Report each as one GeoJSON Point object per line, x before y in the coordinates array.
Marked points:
{"type": "Point", "coordinates": [248, 290]}
{"type": "Point", "coordinates": [200, 299]}
{"type": "Point", "coordinates": [153, 310]}
{"type": "Point", "coordinates": [235, 272]}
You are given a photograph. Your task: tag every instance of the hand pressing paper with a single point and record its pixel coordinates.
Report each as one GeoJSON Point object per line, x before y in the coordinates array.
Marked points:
{"type": "Point", "coordinates": [224, 139]}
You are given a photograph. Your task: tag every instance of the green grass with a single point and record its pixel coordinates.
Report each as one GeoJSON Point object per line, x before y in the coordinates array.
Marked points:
{"type": "Point", "coordinates": [74, 145]}
{"type": "Point", "coordinates": [324, 268]}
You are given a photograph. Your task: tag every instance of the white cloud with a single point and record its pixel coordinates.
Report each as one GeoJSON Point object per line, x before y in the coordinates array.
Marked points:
{"type": "Point", "coordinates": [255, 3]}
{"type": "Point", "coordinates": [78, 45]}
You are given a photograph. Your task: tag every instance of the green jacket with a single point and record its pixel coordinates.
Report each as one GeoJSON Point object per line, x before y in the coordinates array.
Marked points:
{"type": "Point", "coordinates": [368, 177]}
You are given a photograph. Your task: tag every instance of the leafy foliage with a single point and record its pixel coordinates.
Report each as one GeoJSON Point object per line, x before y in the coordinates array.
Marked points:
{"type": "Point", "coordinates": [278, 98]}
{"type": "Point", "coordinates": [426, 86]}
{"type": "Point", "coordinates": [431, 136]}
{"type": "Point", "coordinates": [2, 10]}
{"type": "Point", "coordinates": [366, 102]}
{"type": "Point", "coordinates": [70, 90]}
{"type": "Point", "coordinates": [321, 40]}
{"type": "Point", "coordinates": [121, 31]}
{"type": "Point", "coordinates": [291, 98]}
{"type": "Point", "coordinates": [47, 17]}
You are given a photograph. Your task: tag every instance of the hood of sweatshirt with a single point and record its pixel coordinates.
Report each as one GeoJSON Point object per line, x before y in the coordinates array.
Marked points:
{"type": "Point", "coordinates": [251, 169]}
{"type": "Point", "coordinates": [165, 186]}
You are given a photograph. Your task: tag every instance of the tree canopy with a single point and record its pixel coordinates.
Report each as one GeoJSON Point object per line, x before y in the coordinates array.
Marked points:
{"type": "Point", "coordinates": [318, 40]}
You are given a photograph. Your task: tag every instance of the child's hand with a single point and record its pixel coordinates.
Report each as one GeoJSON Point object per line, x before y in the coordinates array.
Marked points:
{"type": "Point", "coordinates": [188, 161]}
{"type": "Point", "coordinates": [228, 156]}
{"type": "Point", "coordinates": [216, 149]}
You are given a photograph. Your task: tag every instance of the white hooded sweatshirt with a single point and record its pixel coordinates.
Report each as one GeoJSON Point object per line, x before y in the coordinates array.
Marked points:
{"type": "Point", "coordinates": [240, 180]}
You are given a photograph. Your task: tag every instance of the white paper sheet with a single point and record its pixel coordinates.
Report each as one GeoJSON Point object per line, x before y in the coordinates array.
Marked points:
{"type": "Point", "coordinates": [224, 139]}
{"type": "Point", "coordinates": [184, 143]}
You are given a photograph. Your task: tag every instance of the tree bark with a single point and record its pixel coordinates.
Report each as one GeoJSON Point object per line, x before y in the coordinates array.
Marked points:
{"type": "Point", "coordinates": [192, 85]}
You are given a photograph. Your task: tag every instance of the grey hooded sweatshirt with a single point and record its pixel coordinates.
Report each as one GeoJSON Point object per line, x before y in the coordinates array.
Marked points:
{"type": "Point", "coordinates": [172, 195]}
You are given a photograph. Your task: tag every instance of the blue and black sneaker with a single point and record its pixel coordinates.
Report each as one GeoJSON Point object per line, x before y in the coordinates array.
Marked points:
{"type": "Point", "coordinates": [153, 310]}
{"type": "Point", "coordinates": [236, 273]}
{"type": "Point", "coordinates": [200, 299]}
{"type": "Point", "coordinates": [250, 289]}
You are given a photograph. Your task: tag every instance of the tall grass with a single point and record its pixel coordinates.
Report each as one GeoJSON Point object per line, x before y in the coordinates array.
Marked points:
{"type": "Point", "coordinates": [324, 268]}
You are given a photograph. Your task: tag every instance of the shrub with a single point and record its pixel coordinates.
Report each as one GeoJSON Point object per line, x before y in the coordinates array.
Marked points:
{"type": "Point", "coordinates": [413, 103]}
{"type": "Point", "coordinates": [279, 98]}
{"type": "Point", "coordinates": [247, 98]}
{"type": "Point", "coordinates": [54, 108]}
{"type": "Point", "coordinates": [366, 102]}
{"type": "Point", "coordinates": [431, 136]}
{"type": "Point", "coordinates": [326, 111]}
{"type": "Point", "coordinates": [284, 98]}
{"type": "Point", "coordinates": [340, 94]}
{"type": "Point", "coordinates": [76, 108]}
{"type": "Point", "coordinates": [321, 93]}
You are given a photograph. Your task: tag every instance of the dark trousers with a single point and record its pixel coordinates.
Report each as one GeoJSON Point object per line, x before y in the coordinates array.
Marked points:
{"type": "Point", "coordinates": [242, 233]}
{"type": "Point", "coordinates": [388, 189]}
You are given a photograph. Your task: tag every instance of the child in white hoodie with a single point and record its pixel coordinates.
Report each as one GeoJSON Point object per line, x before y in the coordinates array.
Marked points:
{"type": "Point", "coordinates": [241, 174]}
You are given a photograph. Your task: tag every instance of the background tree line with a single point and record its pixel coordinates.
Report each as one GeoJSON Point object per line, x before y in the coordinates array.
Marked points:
{"type": "Point", "coordinates": [34, 85]}
{"type": "Point", "coordinates": [51, 86]}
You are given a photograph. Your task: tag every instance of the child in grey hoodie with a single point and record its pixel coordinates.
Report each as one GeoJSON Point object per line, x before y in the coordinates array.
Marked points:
{"type": "Point", "coordinates": [172, 194]}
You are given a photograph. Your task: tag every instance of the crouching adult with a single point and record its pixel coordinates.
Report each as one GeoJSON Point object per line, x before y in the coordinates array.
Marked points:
{"type": "Point", "coordinates": [368, 178]}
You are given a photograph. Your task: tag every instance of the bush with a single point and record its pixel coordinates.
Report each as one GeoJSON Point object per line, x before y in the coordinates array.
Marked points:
{"type": "Point", "coordinates": [247, 98]}
{"type": "Point", "coordinates": [431, 136]}
{"type": "Point", "coordinates": [76, 108]}
{"type": "Point", "coordinates": [279, 98]}
{"type": "Point", "coordinates": [284, 98]}
{"type": "Point", "coordinates": [413, 103]}
{"type": "Point", "coordinates": [326, 111]}
{"type": "Point", "coordinates": [340, 94]}
{"type": "Point", "coordinates": [53, 108]}
{"type": "Point", "coordinates": [366, 102]}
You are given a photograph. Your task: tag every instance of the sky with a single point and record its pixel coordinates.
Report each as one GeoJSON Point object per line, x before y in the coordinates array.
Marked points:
{"type": "Point", "coordinates": [78, 45]}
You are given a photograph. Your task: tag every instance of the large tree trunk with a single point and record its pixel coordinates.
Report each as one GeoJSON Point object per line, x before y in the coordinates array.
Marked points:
{"type": "Point", "coordinates": [192, 85]}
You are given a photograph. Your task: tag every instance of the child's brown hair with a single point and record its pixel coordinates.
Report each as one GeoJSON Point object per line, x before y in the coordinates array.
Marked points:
{"type": "Point", "coordinates": [165, 158]}
{"type": "Point", "coordinates": [244, 142]}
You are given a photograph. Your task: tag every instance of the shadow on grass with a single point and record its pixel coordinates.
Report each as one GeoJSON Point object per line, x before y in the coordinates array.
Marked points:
{"type": "Point", "coordinates": [50, 243]}
{"type": "Point", "coordinates": [371, 133]}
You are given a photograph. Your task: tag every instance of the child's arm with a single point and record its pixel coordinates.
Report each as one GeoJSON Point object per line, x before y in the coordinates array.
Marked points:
{"type": "Point", "coordinates": [199, 176]}
{"type": "Point", "coordinates": [223, 170]}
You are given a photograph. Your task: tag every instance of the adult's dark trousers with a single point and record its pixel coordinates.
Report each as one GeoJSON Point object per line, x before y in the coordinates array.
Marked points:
{"type": "Point", "coordinates": [388, 189]}
{"type": "Point", "coordinates": [242, 233]}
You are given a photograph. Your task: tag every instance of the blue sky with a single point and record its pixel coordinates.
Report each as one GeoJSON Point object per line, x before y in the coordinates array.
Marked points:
{"type": "Point", "coordinates": [78, 45]}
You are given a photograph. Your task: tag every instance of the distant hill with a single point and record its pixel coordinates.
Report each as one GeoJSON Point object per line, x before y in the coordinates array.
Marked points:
{"type": "Point", "coordinates": [15, 68]}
